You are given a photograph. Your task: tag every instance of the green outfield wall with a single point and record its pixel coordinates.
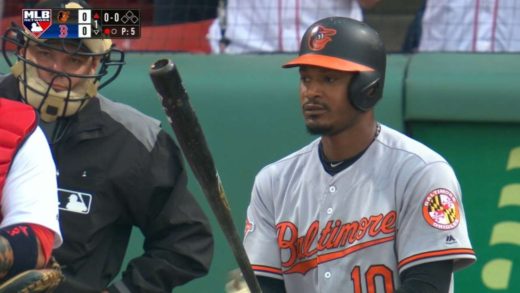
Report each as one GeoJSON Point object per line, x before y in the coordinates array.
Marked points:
{"type": "Point", "coordinates": [464, 106]}
{"type": "Point", "coordinates": [467, 107]}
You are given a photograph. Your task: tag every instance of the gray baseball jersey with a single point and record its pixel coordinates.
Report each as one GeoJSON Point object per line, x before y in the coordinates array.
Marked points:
{"type": "Point", "coordinates": [397, 206]}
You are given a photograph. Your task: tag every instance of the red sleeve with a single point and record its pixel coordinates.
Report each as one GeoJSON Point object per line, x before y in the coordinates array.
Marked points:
{"type": "Point", "coordinates": [46, 238]}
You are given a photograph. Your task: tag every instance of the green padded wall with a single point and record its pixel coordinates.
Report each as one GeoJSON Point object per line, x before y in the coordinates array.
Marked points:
{"type": "Point", "coordinates": [463, 87]}
{"type": "Point", "coordinates": [486, 159]}
{"type": "Point", "coordinates": [467, 107]}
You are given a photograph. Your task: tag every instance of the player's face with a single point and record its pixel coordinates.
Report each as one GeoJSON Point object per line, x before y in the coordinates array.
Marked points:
{"type": "Point", "coordinates": [61, 62]}
{"type": "Point", "coordinates": [323, 96]}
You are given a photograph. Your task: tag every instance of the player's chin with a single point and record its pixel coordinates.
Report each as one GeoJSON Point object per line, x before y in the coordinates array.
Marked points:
{"type": "Point", "coordinates": [314, 127]}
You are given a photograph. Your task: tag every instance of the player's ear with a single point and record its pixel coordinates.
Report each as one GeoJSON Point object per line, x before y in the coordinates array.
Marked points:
{"type": "Point", "coordinates": [95, 62]}
{"type": "Point", "coordinates": [27, 51]}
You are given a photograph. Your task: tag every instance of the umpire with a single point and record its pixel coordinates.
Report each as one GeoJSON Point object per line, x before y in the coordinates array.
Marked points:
{"type": "Point", "coordinates": [116, 169]}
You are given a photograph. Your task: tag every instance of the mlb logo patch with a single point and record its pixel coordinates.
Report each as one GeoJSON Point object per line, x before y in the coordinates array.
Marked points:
{"type": "Point", "coordinates": [37, 21]}
{"type": "Point", "coordinates": [74, 201]}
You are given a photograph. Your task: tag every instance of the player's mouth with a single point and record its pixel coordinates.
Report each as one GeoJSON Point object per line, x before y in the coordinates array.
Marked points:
{"type": "Point", "coordinates": [313, 109]}
{"type": "Point", "coordinates": [59, 88]}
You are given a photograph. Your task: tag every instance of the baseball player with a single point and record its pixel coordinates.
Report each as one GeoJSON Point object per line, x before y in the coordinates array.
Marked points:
{"type": "Point", "coordinates": [29, 228]}
{"type": "Point", "coordinates": [275, 26]}
{"type": "Point", "coordinates": [123, 169]}
{"type": "Point", "coordinates": [363, 208]}
{"type": "Point", "coordinates": [471, 26]}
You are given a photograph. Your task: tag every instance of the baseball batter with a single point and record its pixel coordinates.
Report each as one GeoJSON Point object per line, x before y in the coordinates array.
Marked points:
{"type": "Point", "coordinates": [117, 169]}
{"type": "Point", "coordinates": [471, 25]}
{"type": "Point", "coordinates": [363, 208]}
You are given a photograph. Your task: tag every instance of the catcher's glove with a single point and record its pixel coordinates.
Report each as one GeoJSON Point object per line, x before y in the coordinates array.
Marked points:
{"type": "Point", "coordinates": [32, 281]}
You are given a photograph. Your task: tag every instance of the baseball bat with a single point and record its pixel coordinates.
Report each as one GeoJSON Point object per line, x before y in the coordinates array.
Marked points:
{"type": "Point", "coordinates": [175, 101]}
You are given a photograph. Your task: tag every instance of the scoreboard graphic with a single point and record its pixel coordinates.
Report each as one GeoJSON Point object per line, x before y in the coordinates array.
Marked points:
{"type": "Point", "coordinates": [83, 23]}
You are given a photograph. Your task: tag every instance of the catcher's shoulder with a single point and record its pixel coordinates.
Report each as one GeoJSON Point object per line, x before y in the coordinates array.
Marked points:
{"type": "Point", "coordinates": [124, 112]}
{"type": "Point", "coordinates": [140, 125]}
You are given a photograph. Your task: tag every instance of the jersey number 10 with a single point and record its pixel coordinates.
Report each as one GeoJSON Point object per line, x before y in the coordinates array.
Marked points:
{"type": "Point", "coordinates": [370, 277]}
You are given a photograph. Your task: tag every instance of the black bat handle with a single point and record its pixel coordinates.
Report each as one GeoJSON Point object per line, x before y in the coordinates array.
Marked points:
{"type": "Point", "coordinates": [167, 80]}
{"type": "Point", "coordinates": [175, 100]}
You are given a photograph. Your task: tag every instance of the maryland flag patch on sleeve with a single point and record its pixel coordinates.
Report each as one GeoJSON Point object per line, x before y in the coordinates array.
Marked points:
{"type": "Point", "coordinates": [441, 209]}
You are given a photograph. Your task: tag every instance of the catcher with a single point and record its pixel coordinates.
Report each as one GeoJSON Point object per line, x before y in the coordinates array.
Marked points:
{"type": "Point", "coordinates": [29, 228]}
{"type": "Point", "coordinates": [118, 169]}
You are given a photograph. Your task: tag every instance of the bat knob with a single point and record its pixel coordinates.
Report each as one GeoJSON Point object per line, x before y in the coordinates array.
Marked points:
{"type": "Point", "coordinates": [159, 64]}
{"type": "Point", "coordinates": [167, 80]}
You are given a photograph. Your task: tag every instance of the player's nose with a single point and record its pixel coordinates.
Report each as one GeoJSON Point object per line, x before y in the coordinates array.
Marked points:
{"type": "Point", "coordinates": [60, 82]}
{"type": "Point", "coordinates": [58, 65]}
{"type": "Point", "coordinates": [311, 90]}
{"type": "Point", "coordinates": [59, 61]}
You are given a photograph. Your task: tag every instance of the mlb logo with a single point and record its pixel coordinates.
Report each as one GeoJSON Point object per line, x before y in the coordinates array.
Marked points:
{"type": "Point", "coordinates": [74, 201]}
{"type": "Point", "coordinates": [37, 21]}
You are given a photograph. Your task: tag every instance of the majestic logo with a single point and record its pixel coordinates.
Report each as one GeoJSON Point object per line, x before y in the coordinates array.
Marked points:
{"type": "Point", "coordinates": [341, 239]}
{"type": "Point", "coordinates": [450, 240]}
{"type": "Point", "coordinates": [74, 201]}
{"type": "Point", "coordinates": [320, 36]}
{"type": "Point", "coordinates": [441, 209]}
{"type": "Point", "coordinates": [37, 21]}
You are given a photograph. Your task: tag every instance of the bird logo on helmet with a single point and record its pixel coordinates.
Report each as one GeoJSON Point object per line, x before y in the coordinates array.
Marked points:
{"type": "Point", "coordinates": [50, 101]}
{"type": "Point", "coordinates": [345, 44]}
{"type": "Point", "coordinates": [320, 36]}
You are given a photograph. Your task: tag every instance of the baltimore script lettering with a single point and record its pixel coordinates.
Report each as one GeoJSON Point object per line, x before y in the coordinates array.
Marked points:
{"type": "Point", "coordinates": [335, 234]}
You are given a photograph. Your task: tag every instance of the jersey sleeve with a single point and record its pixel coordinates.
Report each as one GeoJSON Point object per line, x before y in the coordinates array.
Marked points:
{"type": "Point", "coordinates": [30, 192]}
{"type": "Point", "coordinates": [432, 224]}
{"type": "Point", "coordinates": [260, 237]}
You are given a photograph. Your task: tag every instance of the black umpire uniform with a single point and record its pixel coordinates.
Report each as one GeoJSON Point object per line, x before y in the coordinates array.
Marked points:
{"type": "Point", "coordinates": [118, 169]}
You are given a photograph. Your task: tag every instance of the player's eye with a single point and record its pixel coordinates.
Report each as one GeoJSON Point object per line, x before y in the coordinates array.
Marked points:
{"type": "Point", "coordinates": [330, 79]}
{"type": "Point", "coordinates": [304, 79]}
{"type": "Point", "coordinates": [76, 61]}
{"type": "Point", "coordinates": [43, 52]}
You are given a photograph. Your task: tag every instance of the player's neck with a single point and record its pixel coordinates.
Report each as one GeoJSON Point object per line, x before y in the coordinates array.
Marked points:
{"type": "Point", "coordinates": [350, 142]}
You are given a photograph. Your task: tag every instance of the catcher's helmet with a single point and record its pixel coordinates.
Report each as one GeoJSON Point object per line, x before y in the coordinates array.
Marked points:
{"type": "Point", "coordinates": [50, 103]}
{"type": "Point", "coordinates": [345, 44]}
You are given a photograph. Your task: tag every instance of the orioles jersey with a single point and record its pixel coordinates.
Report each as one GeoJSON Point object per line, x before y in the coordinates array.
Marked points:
{"type": "Point", "coordinates": [397, 206]}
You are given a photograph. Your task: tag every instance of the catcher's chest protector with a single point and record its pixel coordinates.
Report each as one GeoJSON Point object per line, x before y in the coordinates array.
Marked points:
{"type": "Point", "coordinates": [17, 121]}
